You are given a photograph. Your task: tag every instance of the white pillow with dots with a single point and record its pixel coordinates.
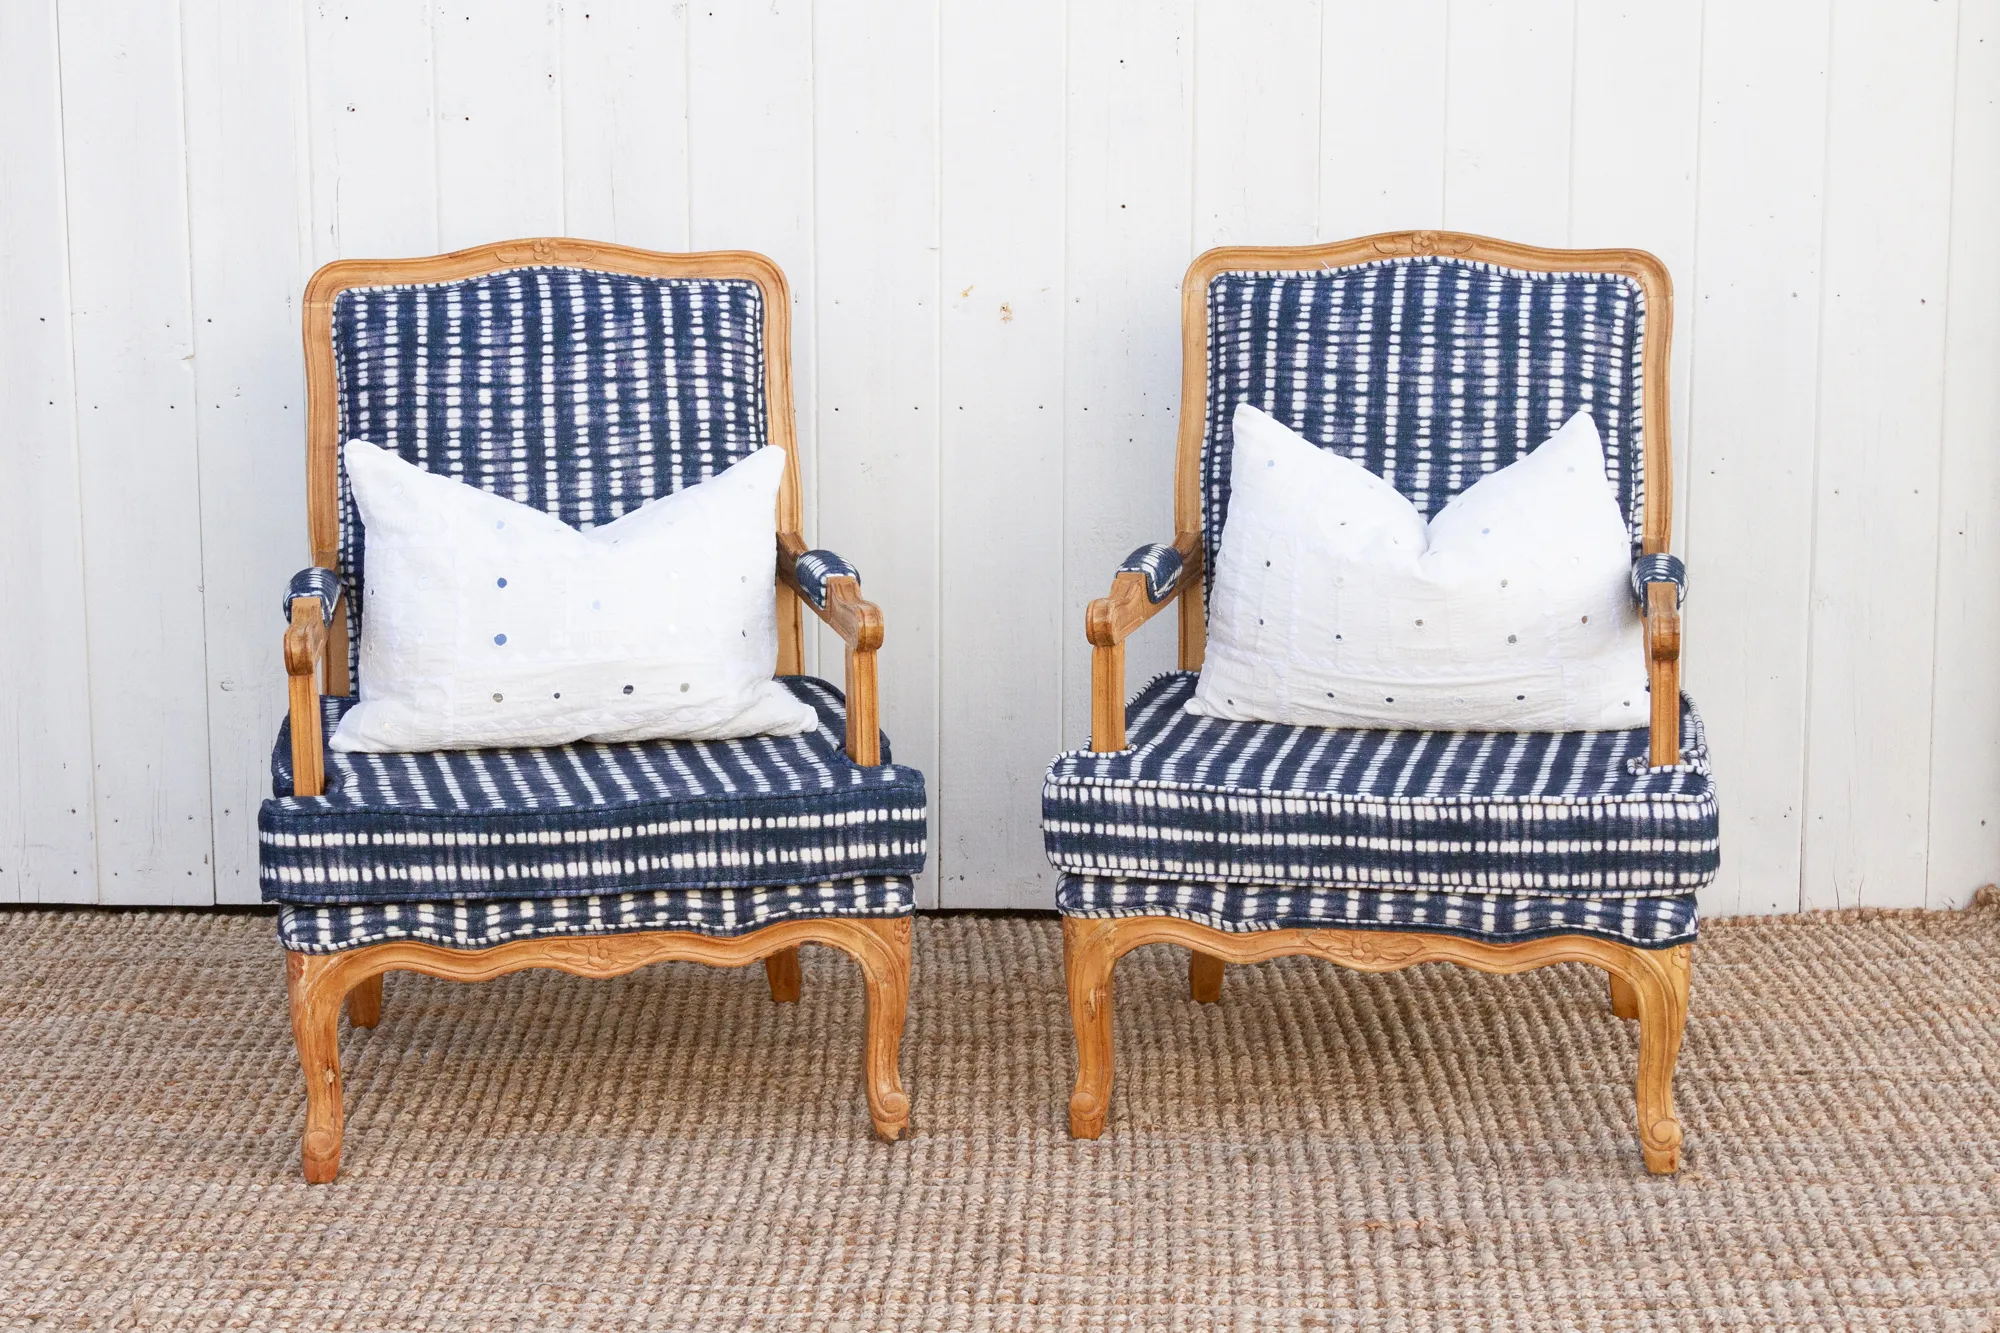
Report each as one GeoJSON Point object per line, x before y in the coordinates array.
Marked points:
{"type": "Point", "coordinates": [489, 623]}
{"type": "Point", "coordinates": [1337, 605]}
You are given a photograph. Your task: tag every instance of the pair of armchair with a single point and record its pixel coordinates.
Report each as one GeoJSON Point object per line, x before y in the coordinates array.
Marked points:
{"type": "Point", "coordinates": [586, 379]}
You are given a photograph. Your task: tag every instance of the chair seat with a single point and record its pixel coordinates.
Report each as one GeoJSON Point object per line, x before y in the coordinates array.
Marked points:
{"type": "Point", "coordinates": [573, 821]}
{"type": "Point", "coordinates": [1204, 801]}
{"type": "Point", "coordinates": [483, 924]}
{"type": "Point", "coordinates": [1649, 923]}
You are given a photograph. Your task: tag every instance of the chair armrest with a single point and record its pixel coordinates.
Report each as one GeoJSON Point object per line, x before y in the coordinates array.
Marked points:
{"type": "Point", "coordinates": [1149, 580]}
{"type": "Point", "coordinates": [1659, 581]}
{"type": "Point", "coordinates": [312, 607]}
{"type": "Point", "coordinates": [832, 588]}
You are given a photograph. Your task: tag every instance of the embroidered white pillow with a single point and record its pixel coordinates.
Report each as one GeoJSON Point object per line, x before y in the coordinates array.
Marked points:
{"type": "Point", "coordinates": [1335, 604]}
{"type": "Point", "coordinates": [489, 623]}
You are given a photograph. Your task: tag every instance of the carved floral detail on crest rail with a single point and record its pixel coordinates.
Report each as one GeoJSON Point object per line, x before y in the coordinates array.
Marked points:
{"type": "Point", "coordinates": [1423, 244]}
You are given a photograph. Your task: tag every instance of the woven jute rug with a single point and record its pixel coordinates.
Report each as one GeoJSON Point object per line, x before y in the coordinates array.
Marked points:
{"type": "Point", "coordinates": [1322, 1150]}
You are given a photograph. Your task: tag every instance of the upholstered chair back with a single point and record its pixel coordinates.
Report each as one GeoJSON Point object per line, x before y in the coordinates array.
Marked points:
{"type": "Point", "coordinates": [583, 393]}
{"type": "Point", "coordinates": [1429, 370]}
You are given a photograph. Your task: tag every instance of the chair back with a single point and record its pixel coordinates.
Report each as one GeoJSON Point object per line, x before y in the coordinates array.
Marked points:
{"type": "Point", "coordinates": [582, 379]}
{"type": "Point", "coordinates": [1431, 359]}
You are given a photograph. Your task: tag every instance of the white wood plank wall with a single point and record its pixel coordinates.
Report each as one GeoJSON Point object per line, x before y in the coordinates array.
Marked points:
{"type": "Point", "coordinates": [985, 211]}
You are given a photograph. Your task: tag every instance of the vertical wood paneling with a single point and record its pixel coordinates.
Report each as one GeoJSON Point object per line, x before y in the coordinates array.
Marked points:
{"type": "Point", "coordinates": [133, 344]}
{"type": "Point", "coordinates": [1256, 122]}
{"type": "Point", "coordinates": [750, 170]}
{"type": "Point", "coordinates": [370, 85]}
{"type": "Point", "coordinates": [1128, 192]}
{"type": "Point", "coordinates": [876, 297]}
{"type": "Point", "coordinates": [1001, 493]}
{"type": "Point", "coordinates": [1881, 401]}
{"type": "Point", "coordinates": [624, 122]}
{"type": "Point", "coordinates": [1748, 449]}
{"type": "Point", "coordinates": [1382, 101]}
{"type": "Point", "coordinates": [47, 851]}
{"type": "Point", "coordinates": [499, 121]}
{"type": "Point", "coordinates": [246, 230]}
{"type": "Point", "coordinates": [1965, 708]}
{"type": "Point", "coordinates": [985, 212]}
{"type": "Point", "coordinates": [1507, 118]}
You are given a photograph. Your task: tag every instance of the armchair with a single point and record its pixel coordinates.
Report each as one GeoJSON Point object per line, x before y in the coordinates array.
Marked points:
{"type": "Point", "coordinates": [1431, 358]}
{"type": "Point", "coordinates": [631, 374]}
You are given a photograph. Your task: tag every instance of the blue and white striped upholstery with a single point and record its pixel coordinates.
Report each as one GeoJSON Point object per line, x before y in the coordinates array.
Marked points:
{"type": "Point", "coordinates": [1202, 799]}
{"type": "Point", "coordinates": [1429, 372]}
{"type": "Point", "coordinates": [313, 581]}
{"type": "Point", "coordinates": [1661, 568]}
{"type": "Point", "coordinates": [814, 568]}
{"type": "Point", "coordinates": [573, 820]}
{"type": "Point", "coordinates": [483, 924]}
{"type": "Point", "coordinates": [582, 393]}
{"type": "Point", "coordinates": [1650, 923]}
{"type": "Point", "coordinates": [1162, 567]}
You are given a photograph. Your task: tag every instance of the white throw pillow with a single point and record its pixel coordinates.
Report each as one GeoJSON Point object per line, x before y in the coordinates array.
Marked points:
{"type": "Point", "coordinates": [488, 623]}
{"type": "Point", "coordinates": [1335, 604]}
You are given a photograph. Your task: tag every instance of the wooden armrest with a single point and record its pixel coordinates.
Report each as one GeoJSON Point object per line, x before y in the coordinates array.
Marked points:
{"type": "Point", "coordinates": [859, 624]}
{"type": "Point", "coordinates": [1663, 672]}
{"type": "Point", "coordinates": [305, 649]}
{"type": "Point", "coordinates": [1109, 621]}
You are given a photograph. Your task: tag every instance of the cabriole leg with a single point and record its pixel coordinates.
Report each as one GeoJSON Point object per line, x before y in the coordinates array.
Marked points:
{"type": "Point", "coordinates": [364, 1003]}
{"type": "Point", "coordinates": [1088, 961]}
{"type": "Point", "coordinates": [885, 974]}
{"type": "Point", "coordinates": [1204, 977]}
{"type": "Point", "coordinates": [1660, 981]}
{"type": "Point", "coordinates": [316, 1028]}
{"type": "Point", "coordinates": [781, 969]}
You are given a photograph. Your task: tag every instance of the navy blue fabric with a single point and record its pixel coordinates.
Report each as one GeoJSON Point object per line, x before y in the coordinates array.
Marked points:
{"type": "Point", "coordinates": [570, 820]}
{"type": "Point", "coordinates": [1199, 798]}
{"type": "Point", "coordinates": [814, 568]}
{"type": "Point", "coordinates": [483, 924]}
{"type": "Point", "coordinates": [1661, 568]}
{"type": "Point", "coordinates": [1429, 372]}
{"type": "Point", "coordinates": [313, 581]}
{"type": "Point", "coordinates": [584, 394]}
{"type": "Point", "coordinates": [1162, 567]}
{"type": "Point", "coordinates": [1650, 923]}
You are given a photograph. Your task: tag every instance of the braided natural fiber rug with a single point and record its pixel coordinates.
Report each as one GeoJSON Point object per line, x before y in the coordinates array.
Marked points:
{"type": "Point", "coordinates": [1430, 1150]}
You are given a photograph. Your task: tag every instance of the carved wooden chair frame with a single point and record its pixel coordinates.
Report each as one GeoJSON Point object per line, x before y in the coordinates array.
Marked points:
{"type": "Point", "coordinates": [316, 658]}
{"type": "Point", "coordinates": [1650, 985]}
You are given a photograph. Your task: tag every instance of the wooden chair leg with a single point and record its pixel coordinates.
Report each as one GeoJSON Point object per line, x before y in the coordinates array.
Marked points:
{"type": "Point", "coordinates": [1204, 977]}
{"type": "Point", "coordinates": [1088, 961]}
{"type": "Point", "coordinates": [1624, 1000]}
{"type": "Point", "coordinates": [1660, 982]}
{"type": "Point", "coordinates": [316, 1029]}
{"type": "Point", "coordinates": [781, 969]}
{"type": "Point", "coordinates": [885, 977]}
{"type": "Point", "coordinates": [364, 1003]}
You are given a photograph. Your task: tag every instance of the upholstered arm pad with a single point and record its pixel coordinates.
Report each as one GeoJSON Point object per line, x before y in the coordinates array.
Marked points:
{"type": "Point", "coordinates": [314, 582]}
{"type": "Point", "coordinates": [1660, 568]}
{"type": "Point", "coordinates": [1162, 566]}
{"type": "Point", "coordinates": [814, 568]}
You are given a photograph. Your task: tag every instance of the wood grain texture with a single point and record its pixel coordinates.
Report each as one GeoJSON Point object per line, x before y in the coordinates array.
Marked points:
{"type": "Point", "coordinates": [319, 983]}
{"type": "Point", "coordinates": [1658, 979]}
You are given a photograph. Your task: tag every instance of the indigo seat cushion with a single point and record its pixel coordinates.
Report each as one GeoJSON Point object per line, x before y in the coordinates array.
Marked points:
{"type": "Point", "coordinates": [581, 819]}
{"type": "Point", "coordinates": [1201, 799]}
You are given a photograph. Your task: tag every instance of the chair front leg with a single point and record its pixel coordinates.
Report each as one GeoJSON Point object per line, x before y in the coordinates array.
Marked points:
{"type": "Point", "coordinates": [885, 978]}
{"type": "Point", "coordinates": [1088, 961]}
{"type": "Point", "coordinates": [1659, 979]}
{"type": "Point", "coordinates": [315, 1001]}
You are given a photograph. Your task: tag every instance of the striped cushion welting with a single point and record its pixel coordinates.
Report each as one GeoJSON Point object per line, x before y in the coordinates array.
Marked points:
{"type": "Point", "coordinates": [1203, 799]}
{"type": "Point", "coordinates": [581, 819]}
{"type": "Point", "coordinates": [1650, 923]}
{"type": "Point", "coordinates": [814, 568]}
{"type": "Point", "coordinates": [1429, 372]}
{"type": "Point", "coordinates": [483, 924]}
{"type": "Point", "coordinates": [582, 393]}
{"type": "Point", "coordinates": [1162, 567]}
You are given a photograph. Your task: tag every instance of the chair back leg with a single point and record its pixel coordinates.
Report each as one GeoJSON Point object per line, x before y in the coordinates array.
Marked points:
{"type": "Point", "coordinates": [364, 1003]}
{"type": "Point", "coordinates": [1204, 977]}
{"type": "Point", "coordinates": [781, 969]}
